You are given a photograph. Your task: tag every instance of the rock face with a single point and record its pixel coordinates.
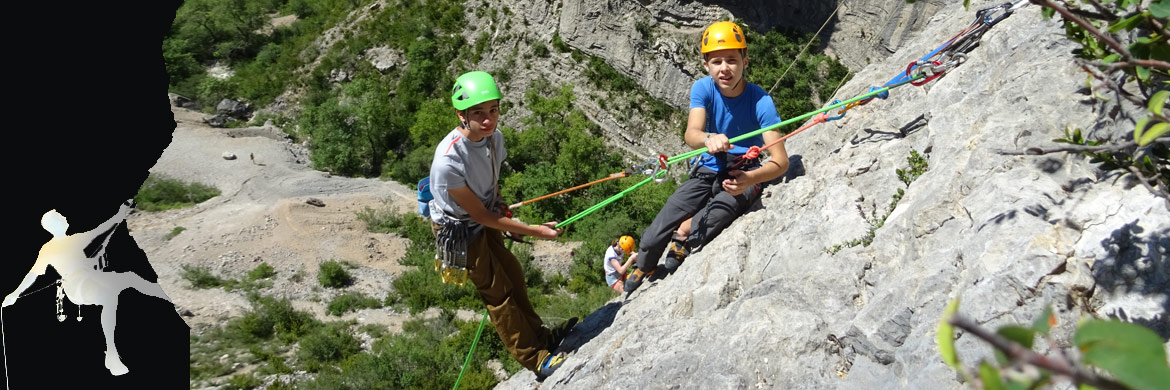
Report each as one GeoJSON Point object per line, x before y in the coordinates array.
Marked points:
{"type": "Point", "coordinates": [232, 108]}
{"type": "Point", "coordinates": [654, 43]}
{"type": "Point", "coordinates": [668, 58]}
{"type": "Point", "coordinates": [765, 306]}
{"type": "Point", "coordinates": [383, 58]}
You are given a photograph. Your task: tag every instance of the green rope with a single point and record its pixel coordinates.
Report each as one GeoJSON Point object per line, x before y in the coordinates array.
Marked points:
{"type": "Point", "coordinates": [611, 199]}
{"type": "Point", "coordinates": [472, 351]}
{"type": "Point", "coordinates": [801, 118]}
{"type": "Point", "coordinates": [699, 151]}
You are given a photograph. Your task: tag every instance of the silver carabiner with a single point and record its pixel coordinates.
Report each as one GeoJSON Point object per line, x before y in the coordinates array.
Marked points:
{"type": "Point", "coordinates": [661, 167]}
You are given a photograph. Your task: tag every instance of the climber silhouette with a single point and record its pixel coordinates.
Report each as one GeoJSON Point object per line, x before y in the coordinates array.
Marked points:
{"type": "Point", "coordinates": [83, 280]}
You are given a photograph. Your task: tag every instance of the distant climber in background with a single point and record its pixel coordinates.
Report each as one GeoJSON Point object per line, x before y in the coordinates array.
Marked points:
{"type": "Point", "coordinates": [82, 279]}
{"type": "Point", "coordinates": [615, 270]}
{"type": "Point", "coordinates": [722, 186]}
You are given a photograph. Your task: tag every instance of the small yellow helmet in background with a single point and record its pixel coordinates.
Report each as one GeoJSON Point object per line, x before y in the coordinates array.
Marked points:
{"type": "Point", "coordinates": [627, 244]}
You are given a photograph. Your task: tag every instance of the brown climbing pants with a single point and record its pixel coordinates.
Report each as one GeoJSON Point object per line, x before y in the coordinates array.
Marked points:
{"type": "Point", "coordinates": [500, 281]}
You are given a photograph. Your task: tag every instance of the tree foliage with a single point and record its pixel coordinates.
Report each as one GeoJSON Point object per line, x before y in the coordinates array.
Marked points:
{"type": "Point", "coordinates": [810, 79]}
{"type": "Point", "coordinates": [1124, 48]}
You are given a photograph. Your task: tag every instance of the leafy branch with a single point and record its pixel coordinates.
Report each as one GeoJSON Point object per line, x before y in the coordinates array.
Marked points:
{"type": "Point", "coordinates": [1018, 353]}
{"type": "Point", "coordinates": [1081, 148]}
{"type": "Point", "coordinates": [1114, 355]}
{"type": "Point", "coordinates": [1108, 39]}
{"type": "Point", "coordinates": [1122, 40]}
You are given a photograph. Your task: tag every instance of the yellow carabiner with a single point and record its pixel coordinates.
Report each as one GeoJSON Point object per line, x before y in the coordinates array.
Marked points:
{"type": "Point", "coordinates": [462, 277]}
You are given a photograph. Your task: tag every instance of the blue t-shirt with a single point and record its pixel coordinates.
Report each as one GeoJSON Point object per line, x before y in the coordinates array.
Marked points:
{"type": "Point", "coordinates": [750, 111]}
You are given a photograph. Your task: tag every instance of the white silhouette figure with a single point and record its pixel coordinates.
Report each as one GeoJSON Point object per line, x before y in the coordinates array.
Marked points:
{"type": "Point", "coordinates": [82, 279]}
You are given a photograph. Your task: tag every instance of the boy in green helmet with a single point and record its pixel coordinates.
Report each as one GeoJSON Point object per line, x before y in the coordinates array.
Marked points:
{"type": "Point", "coordinates": [468, 216]}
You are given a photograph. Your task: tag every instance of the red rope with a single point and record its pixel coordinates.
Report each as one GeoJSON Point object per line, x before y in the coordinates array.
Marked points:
{"type": "Point", "coordinates": [754, 151]}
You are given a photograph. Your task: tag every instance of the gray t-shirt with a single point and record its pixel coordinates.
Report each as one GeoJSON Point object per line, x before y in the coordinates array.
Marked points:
{"type": "Point", "coordinates": [459, 163]}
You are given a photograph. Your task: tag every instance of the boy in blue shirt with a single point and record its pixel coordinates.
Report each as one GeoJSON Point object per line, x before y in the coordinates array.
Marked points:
{"type": "Point", "coordinates": [723, 106]}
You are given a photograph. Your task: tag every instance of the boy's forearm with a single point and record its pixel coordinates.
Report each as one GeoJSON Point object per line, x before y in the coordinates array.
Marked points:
{"type": "Point", "coordinates": [769, 171]}
{"type": "Point", "coordinates": [499, 222]}
{"type": "Point", "coordinates": [24, 284]}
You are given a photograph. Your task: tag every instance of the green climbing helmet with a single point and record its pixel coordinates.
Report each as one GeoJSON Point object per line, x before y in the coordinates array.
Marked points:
{"type": "Point", "coordinates": [473, 88]}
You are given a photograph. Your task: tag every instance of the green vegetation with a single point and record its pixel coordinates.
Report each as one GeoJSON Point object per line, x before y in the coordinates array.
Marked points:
{"type": "Point", "coordinates": [262, 271]}
{"type": "Point", "coordinates": [1129, 44]}
{"type": "Point", "coordinates": [201, 277]}
{"type": "Point", "coordinates": [235, 33]}
{"type": "Point", "coordinates": [625, 95]}
{"type": "Point", "coordinates": [351, 301]}
{"type": "Point", "coordinates": [355, 129]}
{"type": "Point", "coordinates": [427, 355]}
{"type": "Point", "coordinates": [332, 274]}
{"type": "Point", "coordinates": [160, 192]}
{"type": "Point", "coordinates": [326, 344]}
{"type": "Point", "coordinates": [174, 232]}
{"type": "Point", "coordinates": [811, 75]}
{"type": "Point", "coordinates": [262, 336]}
{"type": "Point", "coordinates": [917, 167]}
{"type": "Point", "coordinates": [243, 382]}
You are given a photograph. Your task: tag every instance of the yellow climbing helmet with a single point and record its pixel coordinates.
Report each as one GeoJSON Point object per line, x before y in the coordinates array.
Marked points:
{"type": "Point", "coordinates": [722, 35]}
{"type": "Point", "coordinates": [627, 244]}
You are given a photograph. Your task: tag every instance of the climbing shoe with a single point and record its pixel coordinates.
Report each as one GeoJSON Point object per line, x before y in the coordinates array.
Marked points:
{"type": "Point", "coordinates": [557, 335]}
{"type": "Point", "coordinates": [635, 280]}
{"type": "Point", "coordinates": [675, 254]}
{"type": "Point", "coordinates": [549, 365]}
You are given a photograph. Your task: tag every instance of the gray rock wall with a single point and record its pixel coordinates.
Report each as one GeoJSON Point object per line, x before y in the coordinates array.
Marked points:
{"type": "Point", "coordinates": [764, 306]}
{"type": "Point", "coordinates": [665, 60]}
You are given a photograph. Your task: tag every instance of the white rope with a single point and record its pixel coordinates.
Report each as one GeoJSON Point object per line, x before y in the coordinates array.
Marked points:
{"type": "Point", "coordinates": [810, 41]}
{"type": "Point", "coordinates": [4, 342]}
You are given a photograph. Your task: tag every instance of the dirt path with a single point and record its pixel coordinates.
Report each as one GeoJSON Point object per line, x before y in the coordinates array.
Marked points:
{"type": "Point", "coordinates": [262, 216]}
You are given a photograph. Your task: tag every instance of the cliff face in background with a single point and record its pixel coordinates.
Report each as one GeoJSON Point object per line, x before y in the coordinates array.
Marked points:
{"type": "Point", "coordinates": [764, 306]}
{"type": "Point", "coordinates": [665, 60]}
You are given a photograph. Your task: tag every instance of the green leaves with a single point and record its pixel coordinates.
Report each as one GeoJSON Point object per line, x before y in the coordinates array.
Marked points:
{"type": "Point", "coordinates": [990, 377]}
{"type": "Point", "coordinates": [1047, 13]}
{"type": "Point", "coordinates": [946, 336]}
{"type": "Point", "coordinates": [1128, 23]}
{"type": "Point", "coordinates": [1155, 131]}
{"type": "Point", "coordinates": [1145, 136]}
{"type": "Point", "coordinates": [1131, 352]}
{"type": "Point", "coordinates": [1160, 9]}
{"type": "Point", "coordinates": [1157, 101]}
{"type": "Point", "coordinates": [1019, 335]}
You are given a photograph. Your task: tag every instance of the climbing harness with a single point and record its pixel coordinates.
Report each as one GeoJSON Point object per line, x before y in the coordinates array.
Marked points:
{"type": "Point", "coordinates": [453, 235]}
